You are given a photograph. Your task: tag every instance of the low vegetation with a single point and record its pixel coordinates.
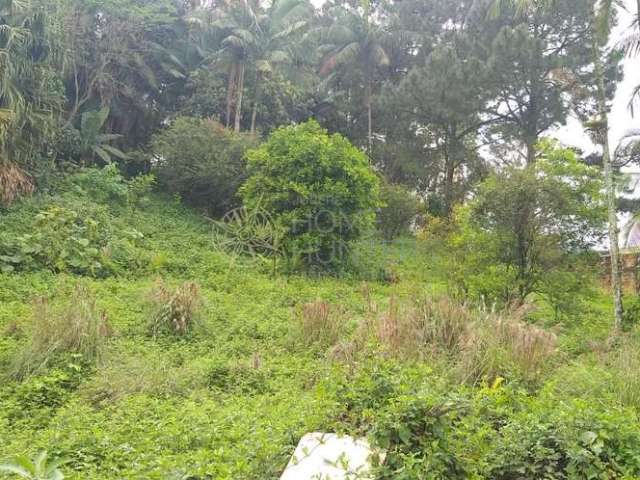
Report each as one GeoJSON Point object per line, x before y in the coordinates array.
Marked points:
{"type": "Point", "coordinates": [225, 224]}
{"type": "Point", "coordinates": [225, 351]}
{"type": "Point", "coordinates": [76, 327]}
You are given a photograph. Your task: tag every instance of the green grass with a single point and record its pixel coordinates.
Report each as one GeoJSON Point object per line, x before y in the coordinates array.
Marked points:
{"type": "Point", "coordinates": [232, 400]}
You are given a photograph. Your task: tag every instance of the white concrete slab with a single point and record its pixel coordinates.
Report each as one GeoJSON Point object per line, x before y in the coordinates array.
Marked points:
{"type": "Point", "coordinates": [327, 456]}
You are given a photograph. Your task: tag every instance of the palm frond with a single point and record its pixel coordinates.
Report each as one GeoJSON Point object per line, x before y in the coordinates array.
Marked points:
{"type": "Point", "coordinates": [348, 53]}
{"type": "Point", "coordinates": [631, 44]}
{"type": "Point", "coordinates": [628, 149]}
{"type": "Point", "coordinates": [634, 100]}
{"type": "Point", "coordinates": [106, 158]}
{"type": "Point", "coordinates": [290, 30]}
{"type": "Point", "coordinates": [379, 56]}
{"type": "Point", "coordinates": [113, 151]}
{"type": "Point", "coordinates": [283, 12]}
{"type": "Point", "coordinates": [279, 56]}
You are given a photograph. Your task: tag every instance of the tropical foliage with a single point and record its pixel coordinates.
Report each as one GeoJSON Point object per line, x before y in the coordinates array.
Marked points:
{"type": "Point", "coordinates": [228, 223]}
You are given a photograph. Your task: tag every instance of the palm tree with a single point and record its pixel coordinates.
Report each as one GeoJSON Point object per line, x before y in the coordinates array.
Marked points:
{"type": "Point", "coordinates": [26, 105]}
{"type": "Point", "coordinates": [355, 41]}
{"type": "Point", "coordinates": [600, 30]}
{"type": "Point", "coordinates": [631, 45]}
{"type": "Point", "coordinates": [249, 37]}
{"type": "Point", "coordinates": [277, 28]}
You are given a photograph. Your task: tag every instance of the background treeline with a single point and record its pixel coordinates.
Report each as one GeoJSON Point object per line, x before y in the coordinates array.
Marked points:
{"type": "Point", "coordinates": [423, 86]}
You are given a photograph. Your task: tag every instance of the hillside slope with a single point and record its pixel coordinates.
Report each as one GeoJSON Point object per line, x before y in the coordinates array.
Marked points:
{"type": "Point", "coordinates": [377, 352]}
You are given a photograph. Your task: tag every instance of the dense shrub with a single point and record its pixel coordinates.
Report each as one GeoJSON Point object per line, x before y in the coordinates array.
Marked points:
{"type": "Point", "coordinates": [202, 162]}
{"type": "Point", "coordinates": [525, 223]}
{"type": "Point", "coordinates": [76, 327]}
{"type": "Point", "coordinates": [108, 186]}
{"type": "Point", "coordinates": [80, 240]}
{"type": "Point", "coordinates": [567, 441]}
{"type": "Point", "coordinates": [500, 433]}
{"type": "Point", "coordinates": [317, 186]}
{"type": "Point", "coordinates": [76, 230]}
{"type": "Point", "coordinates": [399, 208]}
{"type": "Point", "coordinates": [416, 433]}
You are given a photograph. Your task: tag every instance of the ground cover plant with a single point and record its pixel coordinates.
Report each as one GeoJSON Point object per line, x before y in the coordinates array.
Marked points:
{"type": "Point", "coordinates": [226, 224]}
{"type": "Point", "coordinates": [218, 369]}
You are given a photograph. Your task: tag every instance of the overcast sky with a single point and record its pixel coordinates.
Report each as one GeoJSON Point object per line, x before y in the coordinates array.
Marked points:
{"type": "Point", "coordinates": [621, 120]}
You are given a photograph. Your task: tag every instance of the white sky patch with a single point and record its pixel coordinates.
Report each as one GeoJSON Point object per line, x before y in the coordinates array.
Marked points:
{"type": "Point", "coordinates": [620, 119]}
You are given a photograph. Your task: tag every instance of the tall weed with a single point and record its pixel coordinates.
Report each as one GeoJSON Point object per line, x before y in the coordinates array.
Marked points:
{"type": "Point", "coordinates": [480, 345]}
{"type": "Point", "coordinates": [175, 311]}
{"type": "Point", "coordinates": [77, 326]}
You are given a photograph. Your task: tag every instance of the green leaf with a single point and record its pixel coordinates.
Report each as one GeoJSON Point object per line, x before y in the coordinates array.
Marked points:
{"type": "Point", "coordinates": [115, 152]}
{"type": "Point", "coordinates": [102, 154]}
{"type": "Point", "coordinates": [589, 437]}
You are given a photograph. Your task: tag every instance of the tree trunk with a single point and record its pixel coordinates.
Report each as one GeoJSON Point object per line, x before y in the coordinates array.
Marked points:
{"type": "Point", "coordinates": [369, 120]}
{"type": "Point", "coordinates": [449, 173]}
{"type": "Point", "coordinates": [616, 277]}
{"type": "Point", "coordinates": [230, 93]}
{"type": "Point", "coordinates": [531, 150]}
{"type": "Point", "coordinates": [256, 102]}
{"type": "Point", "coordinates": [240, 88]}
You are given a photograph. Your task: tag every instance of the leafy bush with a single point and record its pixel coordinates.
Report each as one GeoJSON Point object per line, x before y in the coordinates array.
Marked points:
{"type": "Point", "coordinates": [102, 185]}
{"type": "Point", "coordinates": [77, 327]}
{"type": "Point", "coordinates": [574, 440]}
{"type": "Point", "coordinates": [415, 431]}
{"type": "Point", "coordinates": [202, 162]}
{"type": "Point", "coordinates": [106, 185]}
{"type": "Point", "coordinates": [35, 399]}
{"type": "Point", "coordinates": [241, 378]}
{"type": "Point", "coordinates": [62, 239]}
{"type": "Point", "coordinates": [317, 186]}
{"type": "Point", "coordinates": [501, 433]}
{"type": "Point", "coordinates": [175, 312]}
{"type": "Point", "coordinates": [399, 208]}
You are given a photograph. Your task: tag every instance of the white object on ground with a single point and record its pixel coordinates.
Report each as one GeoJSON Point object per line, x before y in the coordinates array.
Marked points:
{"type": "Point", "coordinates": [327, 456]}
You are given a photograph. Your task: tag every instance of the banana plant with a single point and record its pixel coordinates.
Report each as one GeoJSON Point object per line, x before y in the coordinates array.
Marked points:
{"type": "Point", "coordinates": [93, 142]}
{"type": "Point", "coordinates": [37, 469]}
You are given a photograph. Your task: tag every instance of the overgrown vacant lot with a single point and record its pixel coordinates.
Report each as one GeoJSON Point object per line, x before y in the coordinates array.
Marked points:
{"type": "Point", "coordinates": [188, 362]}
{"type": "Point", "coordinates": [227, 224]}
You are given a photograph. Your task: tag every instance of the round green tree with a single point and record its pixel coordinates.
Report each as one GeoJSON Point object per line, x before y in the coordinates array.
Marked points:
{"type": "Point", "coordinates": [317, 187]}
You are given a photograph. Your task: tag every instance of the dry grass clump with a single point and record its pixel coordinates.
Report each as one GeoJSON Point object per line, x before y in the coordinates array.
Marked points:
{"type": "Point", "coordinates": [175, 311]}
{"type": "Point", "coordinates": [320, 322]}
{"type": "Point", "coordinates": [14, 182]}
{"type": "Point", "coordinates": [77, 326]}
{"type": "Point", "coordinates": [421, 330]}
{"type": "Point", "coordinates": [504, 345]}
{"type": "Point", "coordinates": [477, 345]}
